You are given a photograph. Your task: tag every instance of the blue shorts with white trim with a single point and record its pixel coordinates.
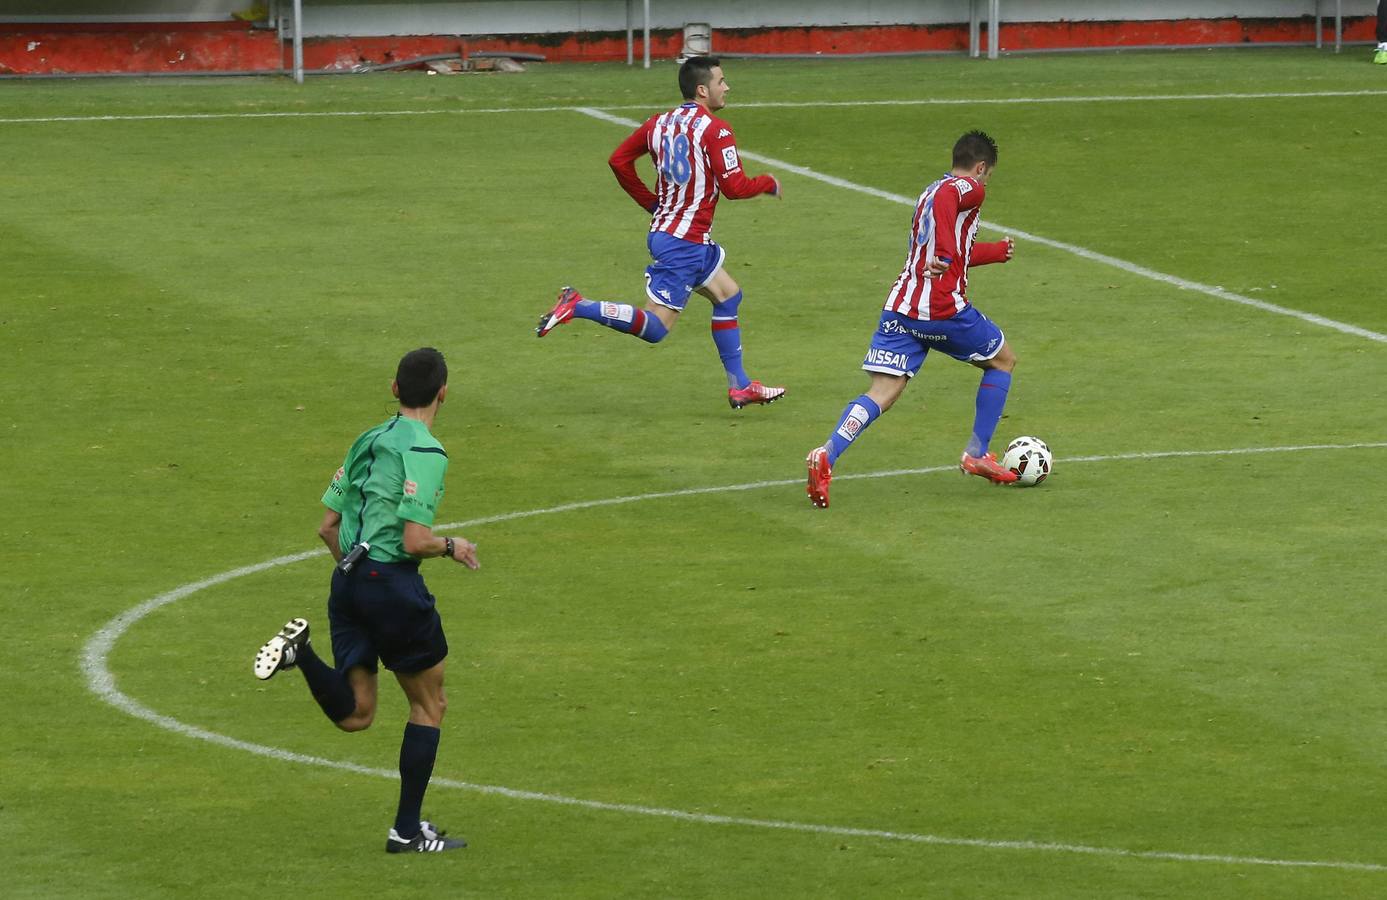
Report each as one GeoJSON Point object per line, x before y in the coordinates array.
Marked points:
{"type": "Point", "coordinates": [680, 268]}
{"type": "Point", "coordinates": [901, 343]}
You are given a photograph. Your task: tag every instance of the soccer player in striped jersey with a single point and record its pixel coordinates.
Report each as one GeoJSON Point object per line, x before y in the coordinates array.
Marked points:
{"type": "Point", "coordinates": [927, 308]}
{"type": "Point", "coordinates": [696, 162]}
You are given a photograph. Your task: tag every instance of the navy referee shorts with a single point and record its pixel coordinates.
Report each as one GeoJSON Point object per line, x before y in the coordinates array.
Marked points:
{"type": "Point", "coordinates": [384, 611]}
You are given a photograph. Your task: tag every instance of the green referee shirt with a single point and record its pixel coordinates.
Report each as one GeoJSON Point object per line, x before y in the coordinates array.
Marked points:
{"type": "Point", "coordinates": [393, 473]}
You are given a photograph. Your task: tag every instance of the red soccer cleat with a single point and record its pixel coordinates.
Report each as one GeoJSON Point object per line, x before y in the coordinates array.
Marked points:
{"type": "Point", "coordinates": [756, 392]}
{"type": "Point", "coordinates": [987, 467]}
{"type": "Point", "coordinates": [820, 474]}
{"type": "Point", "coordinates": [561, 313]}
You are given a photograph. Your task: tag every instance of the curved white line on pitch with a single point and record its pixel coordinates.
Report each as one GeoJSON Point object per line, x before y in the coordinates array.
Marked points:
{"type": "Point", "coordinates": [103, 684]}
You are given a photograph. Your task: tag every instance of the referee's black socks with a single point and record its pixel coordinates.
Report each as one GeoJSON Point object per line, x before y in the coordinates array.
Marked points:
{"type": "Point", "coordinates": [329, 686]}
{"type": "Point", "coordinates": [417, 753]}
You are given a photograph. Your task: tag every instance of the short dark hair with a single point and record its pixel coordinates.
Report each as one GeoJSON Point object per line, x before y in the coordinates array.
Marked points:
{"type": "Point", "coordinates": [696, 70]}
{"type": "Point", "coordinates": [420, 376]}
{"type": "Point", "coordinates": [973, 148]}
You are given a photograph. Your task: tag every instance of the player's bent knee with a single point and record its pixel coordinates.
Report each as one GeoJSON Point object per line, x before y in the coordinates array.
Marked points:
{"type": "Point", "coordinates": [429, 710]}
{"type": "Point", "coordinates": [356, 722]}
{"type": "Point", "coordinates": [1005, 360]}
{"type": "Point", "coordinates": [727, 309]}
{"type": "Point", "coordinates": [428, 715]}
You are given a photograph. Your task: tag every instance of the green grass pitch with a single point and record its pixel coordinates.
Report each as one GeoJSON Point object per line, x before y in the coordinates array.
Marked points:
{"type": "Point", "coordinates": [1174, 662]}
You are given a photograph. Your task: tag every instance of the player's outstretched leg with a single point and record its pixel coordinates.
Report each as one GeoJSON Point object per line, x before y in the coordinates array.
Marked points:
{"type": "Point", "coordinates": [727, 337]}
{"type": "Point", "coordinates": [991, 400]}
{"type": "Point", "coordinates": [858, 414]}
{"type": "Point", "coordinates": [621, 317]}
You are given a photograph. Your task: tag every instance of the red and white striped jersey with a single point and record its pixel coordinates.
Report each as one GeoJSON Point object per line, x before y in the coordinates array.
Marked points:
{"type": "Point", "coordinates": [945, 226]}
{"type": "Point", "coordinates": [695, 156]}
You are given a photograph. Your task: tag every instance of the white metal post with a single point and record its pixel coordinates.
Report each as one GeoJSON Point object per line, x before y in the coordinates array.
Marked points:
{"type": "Point", "coordinates": [630, 36]}
{"type": "Point", "coordinates": [298, 41]}
{"type": "Point", "coordinates": [994, 28]}
{"type": "Point", "coordinates": [647, 34]}
{"type": "Point", "coordinates": [1338, 25]}
{"type": "Point", "coordinates": [974, 29]}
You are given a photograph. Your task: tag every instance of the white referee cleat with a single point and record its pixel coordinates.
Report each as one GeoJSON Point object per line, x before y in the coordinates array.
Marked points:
{"type": "Point", "coordinates": [281, 651]}
{"type": "Point", "coordinates": [422, 842]}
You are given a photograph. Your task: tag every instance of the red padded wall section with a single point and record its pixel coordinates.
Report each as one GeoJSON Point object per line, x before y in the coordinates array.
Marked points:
{"type": "Point", "coordinates": [235, 46]}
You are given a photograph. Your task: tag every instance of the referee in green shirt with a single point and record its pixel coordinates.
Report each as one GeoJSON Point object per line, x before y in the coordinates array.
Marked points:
{"type": "Point", "coordinates": [379, 525]}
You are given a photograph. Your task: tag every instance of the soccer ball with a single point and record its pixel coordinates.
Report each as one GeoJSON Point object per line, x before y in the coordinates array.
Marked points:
{"type": "Point", "coordinates": [1031, 460]}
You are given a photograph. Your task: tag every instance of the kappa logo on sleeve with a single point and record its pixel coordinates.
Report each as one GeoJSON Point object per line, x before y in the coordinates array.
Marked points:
{"type": "Point", "coordinates": [411, 488]}
{"type": "Point", "coordinates": [729, 158]}
{"type": "Point", "coordinates": [723, 132]}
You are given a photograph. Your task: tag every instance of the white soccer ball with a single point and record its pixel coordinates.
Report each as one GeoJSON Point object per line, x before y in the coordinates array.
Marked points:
{"type": "Point", "coordinates": [1031, 460]}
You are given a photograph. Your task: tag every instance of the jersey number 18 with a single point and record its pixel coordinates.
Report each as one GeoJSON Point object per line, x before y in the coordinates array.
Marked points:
{"type": "Point", "coordinates": [674, 159]}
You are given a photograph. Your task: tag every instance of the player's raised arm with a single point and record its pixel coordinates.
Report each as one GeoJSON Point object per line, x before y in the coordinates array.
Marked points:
{"type": "Point", "coordinates": [623, 163]}
{"type": "Point", "coordinates": [721, 147]}
{"type": "Point", "coordinates": [992, 252]}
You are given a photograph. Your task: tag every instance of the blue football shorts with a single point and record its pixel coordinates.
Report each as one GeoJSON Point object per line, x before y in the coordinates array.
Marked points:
{"type": "Point", "coordinates": [901, 343]}
{"type": "Point", "coordinates": [680, 268]}
{"type": "Point", "coordinates": [384, 611]}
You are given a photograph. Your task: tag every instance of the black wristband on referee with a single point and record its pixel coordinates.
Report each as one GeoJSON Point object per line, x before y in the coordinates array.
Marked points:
{"type": "Point", "coordinates": [448, 547]}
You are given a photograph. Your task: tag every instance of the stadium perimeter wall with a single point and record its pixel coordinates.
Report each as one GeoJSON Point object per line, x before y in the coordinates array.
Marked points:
{"type": "Point", "coordinates": [198, 36]}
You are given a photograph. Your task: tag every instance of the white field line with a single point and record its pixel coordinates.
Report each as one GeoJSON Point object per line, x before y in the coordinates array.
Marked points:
{"type": "Point", "coordinates": [1024, 101]}
{"type": "Point", "coordinates": [1093, 255]}
{"type": "Point", "coordinates": [1133, 268]}
{"type": "Point", "coordinates": [787, 104]}
{"type": "Point", "coordinates": [101, 681]}
{"type": "Point", "coordinates": [285, 114]}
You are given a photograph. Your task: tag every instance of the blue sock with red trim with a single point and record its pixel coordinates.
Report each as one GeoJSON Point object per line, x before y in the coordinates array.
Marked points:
{"type": "Point", "coordinates": [727, 335]}
{"type": "Point", "coordinates": [992, 399]}
{"type": "Point", "coordinates": [860, 413]}
{"type": "Point", "coordinates": [622, 317]}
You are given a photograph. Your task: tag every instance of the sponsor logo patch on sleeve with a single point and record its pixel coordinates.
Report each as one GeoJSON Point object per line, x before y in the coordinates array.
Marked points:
{"type": "Point", "coordinates": [411, 488]}
{"type": "Point", "coordinates": [729, 158]}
